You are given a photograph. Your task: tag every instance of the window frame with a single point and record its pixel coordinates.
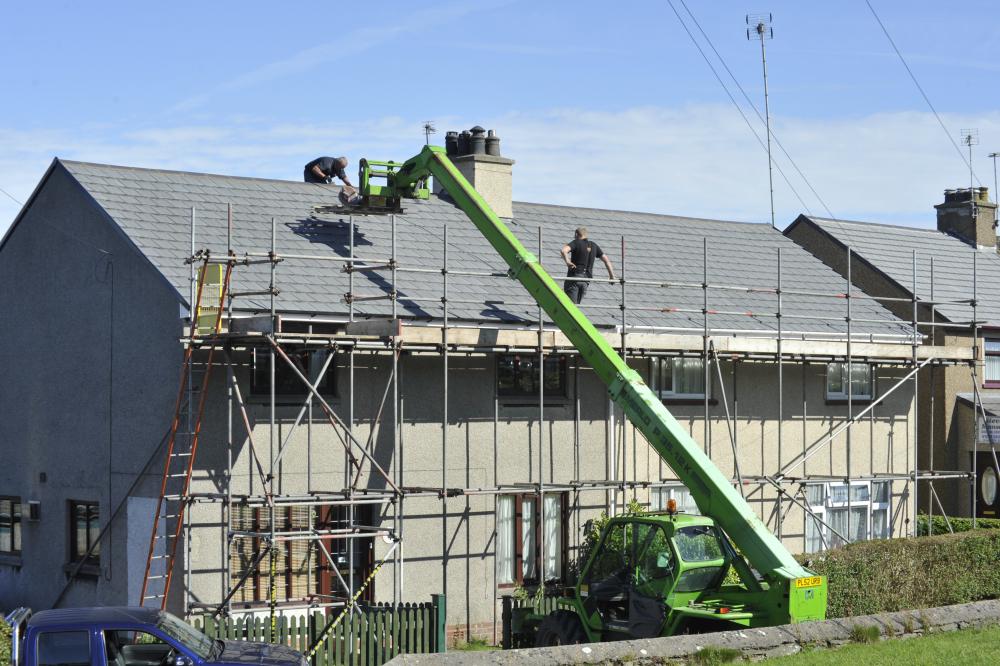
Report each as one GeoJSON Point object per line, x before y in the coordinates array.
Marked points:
{"type": "Point", "coordinates": [561, 392]}
{"type": "Point", "coordinates": [669, 394]}
{"type": "Point", "coordinates": [837, 397]}
{"type": "Point", "coordinates": [75, 555]}
{"type": "Point", "coordinates": [319, 580]}
{"type": "Point", "coordinates": [16, 527]}
{"type": "Point", "coordinates": [987, 382]}
{"type": "Point", "coordinates": [660, 494]}
{"type": "Point", "coordinates": [827, 539]}
{"type": "Point", "coordinates": [260, 391]}
{"type": "Point", "coordinates": [519, 578]}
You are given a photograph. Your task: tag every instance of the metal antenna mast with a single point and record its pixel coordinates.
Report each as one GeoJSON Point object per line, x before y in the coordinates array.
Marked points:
{"type": "Point", "coordinates": [994, 156]}
{"type": "Point", "coordinates": [428, 130]}
{"type": "Point", "coordinates": [970, 138]}
{"type": "Point", "coordinates": [759, 27]}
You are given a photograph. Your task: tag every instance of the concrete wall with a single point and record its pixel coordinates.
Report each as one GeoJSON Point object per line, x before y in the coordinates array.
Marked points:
{"type": "Point", "coordinates": [477, 425]}
{"type": "Point", "coordinates": [90, 359]}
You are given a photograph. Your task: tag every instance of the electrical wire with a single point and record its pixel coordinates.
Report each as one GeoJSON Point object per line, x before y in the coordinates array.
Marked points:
{"type": "Point", "coordinates": [11, 197]}
{"type": "Point", "coordinates": [757, 111]}
{"type": "Point", "coordinates": [736, 104]}
{"type": "Point", "coordinates": [913, 77]}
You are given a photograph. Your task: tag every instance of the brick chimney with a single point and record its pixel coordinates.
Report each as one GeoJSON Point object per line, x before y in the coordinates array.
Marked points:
{"type": "Point", "coordinates": [970, 215]}
{"type": "Point", "coordinates": [476, 154]}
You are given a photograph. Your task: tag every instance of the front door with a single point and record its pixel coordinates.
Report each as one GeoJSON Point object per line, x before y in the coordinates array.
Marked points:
{"type": "Point", "coordinates": [987, 486]}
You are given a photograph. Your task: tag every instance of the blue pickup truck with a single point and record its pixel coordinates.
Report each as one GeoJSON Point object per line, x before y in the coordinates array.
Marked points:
{"type": "Point", "coordinates": [129, 637]}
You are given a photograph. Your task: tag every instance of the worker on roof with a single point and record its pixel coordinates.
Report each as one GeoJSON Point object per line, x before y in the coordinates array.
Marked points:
{"type": "Point", "coordinates": [579, 255]}
{"type": "Point", "coordinates": [325, 169]}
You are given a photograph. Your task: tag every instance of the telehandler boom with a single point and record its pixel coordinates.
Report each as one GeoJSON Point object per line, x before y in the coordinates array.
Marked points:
{"type": "Point", "coordinates": [650, 575]}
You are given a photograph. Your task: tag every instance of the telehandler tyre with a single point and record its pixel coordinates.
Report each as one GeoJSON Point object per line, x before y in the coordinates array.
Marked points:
{"type": "Point", "coordinates": [560, 628]}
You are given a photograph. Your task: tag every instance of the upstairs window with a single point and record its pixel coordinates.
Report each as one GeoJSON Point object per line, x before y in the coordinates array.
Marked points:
{"type": "Point", "coordinates": [518, 376]}
{"type": "Point", "coordinates": [859, 383]}
{"type": "Point", "coordinates": [679, 378]}
{"type": "Point", "coordinates": [288, 386]}
{"type": "Point", "coordinates": [991, 374]}
{"type": "Point", "coordinates": [84, 526]}
{"type": "Point", "coordinates": [10, 525]}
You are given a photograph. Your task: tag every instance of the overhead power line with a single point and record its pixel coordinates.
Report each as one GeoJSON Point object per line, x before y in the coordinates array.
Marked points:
{"type": "Point", "coordinates": [922, 93]}
{"type": "Point", "coordinates": [735, 103]}
{"type": "Point", "coordinates": [757, 111]}
{"type": "Point", "coordinates": [11, 197]}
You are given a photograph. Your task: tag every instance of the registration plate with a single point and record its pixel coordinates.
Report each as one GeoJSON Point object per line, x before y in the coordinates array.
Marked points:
{"type": "Point", "coordinates": [812, 581]}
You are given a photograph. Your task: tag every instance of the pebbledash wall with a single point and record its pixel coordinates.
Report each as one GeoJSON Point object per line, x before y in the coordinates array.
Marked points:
{"type": "Point", "coordinates": [457, 555]}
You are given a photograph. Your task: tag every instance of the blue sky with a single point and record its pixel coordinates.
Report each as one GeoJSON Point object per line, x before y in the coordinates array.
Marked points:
{"type": "Point", "coordinates": [605, 105]}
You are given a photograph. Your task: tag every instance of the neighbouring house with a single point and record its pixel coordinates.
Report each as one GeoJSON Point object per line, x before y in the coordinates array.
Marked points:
{"type": "Point", "coordinates": [953, 271]}
{"type": "Point", "coordinates": [502, 442]}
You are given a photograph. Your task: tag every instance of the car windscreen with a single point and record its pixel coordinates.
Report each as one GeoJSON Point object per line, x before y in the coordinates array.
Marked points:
{"type": "Point", "coordinates": [698, 543]}
{"type": "Point", "coordinates": [185, 634]}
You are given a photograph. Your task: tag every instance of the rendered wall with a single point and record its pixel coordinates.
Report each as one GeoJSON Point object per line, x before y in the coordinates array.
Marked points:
{"type": "Point", "coordinates": [90, 356]}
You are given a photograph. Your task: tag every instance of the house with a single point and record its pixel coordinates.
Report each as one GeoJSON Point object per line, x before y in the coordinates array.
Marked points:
{"type": "Point", "coordinates": [497, 443]}
{"type": "Point", "coordinates": [953, 271]}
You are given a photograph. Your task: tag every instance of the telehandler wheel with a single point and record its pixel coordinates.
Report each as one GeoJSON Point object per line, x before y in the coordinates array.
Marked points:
{"type": "Point", "coordinates": [560, 628]}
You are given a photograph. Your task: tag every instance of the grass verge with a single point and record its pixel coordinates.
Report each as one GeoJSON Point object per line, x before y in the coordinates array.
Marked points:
{"type": "Point", "coordinates": [970, 646]}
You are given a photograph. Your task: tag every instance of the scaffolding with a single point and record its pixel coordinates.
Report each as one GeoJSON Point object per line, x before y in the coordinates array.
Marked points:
{"type": "Point", "coordinates": [350, 336]}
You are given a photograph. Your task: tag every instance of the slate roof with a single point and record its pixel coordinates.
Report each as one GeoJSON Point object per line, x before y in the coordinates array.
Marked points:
{"type": "Point", "coordinates": [890, 249]}
{"type": "Point", "coordinates": [153, 209]}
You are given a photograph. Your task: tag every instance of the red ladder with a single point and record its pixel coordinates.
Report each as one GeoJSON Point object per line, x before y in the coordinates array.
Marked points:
{"type": "Point", "coordinates": [181, 449]}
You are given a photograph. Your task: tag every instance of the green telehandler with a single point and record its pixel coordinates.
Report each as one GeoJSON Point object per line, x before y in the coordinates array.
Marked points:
{"type": "Point", "coordinates": [649, 575]}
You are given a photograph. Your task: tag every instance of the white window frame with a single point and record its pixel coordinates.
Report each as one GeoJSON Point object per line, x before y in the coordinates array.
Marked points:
{"type": "Point", "coordinates": [860, 495]}
{"type": "Point", "coordinates": [668, 391]}
{"type": "Point", "coordinates": [675, 491]}
{"type": "Point", "coordinates": [842, 394]}
{"type": "Point", "coordinates": [991, 350]}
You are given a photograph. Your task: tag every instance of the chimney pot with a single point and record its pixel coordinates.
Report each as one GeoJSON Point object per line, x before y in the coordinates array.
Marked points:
{"type": "Point", "coordinates": [478, 159]}
{"type": "Point", "coordinates": [968, 214]}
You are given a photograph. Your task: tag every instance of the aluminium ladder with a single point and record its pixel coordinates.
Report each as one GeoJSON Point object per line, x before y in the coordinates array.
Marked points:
{"type": "Point", "coordinates": [182, 445]}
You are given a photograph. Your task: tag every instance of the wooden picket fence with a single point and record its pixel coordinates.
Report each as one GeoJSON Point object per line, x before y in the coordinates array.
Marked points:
{"type": "Point", "coordinates": [370, 637]}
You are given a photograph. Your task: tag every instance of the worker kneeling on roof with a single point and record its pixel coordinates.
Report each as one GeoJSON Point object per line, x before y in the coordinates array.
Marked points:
{"type": "Point", "coordinates": [325, 169]}
{"type": "Point", "coordinates": [579, 256]}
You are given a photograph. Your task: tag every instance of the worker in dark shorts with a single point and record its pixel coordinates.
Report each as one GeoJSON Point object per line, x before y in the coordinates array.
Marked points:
{"type": "Point", "coordinates": [325, 169]}
{"type": "Point", "coordinates": [579, 256]}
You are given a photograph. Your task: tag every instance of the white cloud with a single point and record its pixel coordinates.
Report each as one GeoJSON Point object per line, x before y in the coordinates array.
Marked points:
{"type": "Point", "coordinates": [697, 160]}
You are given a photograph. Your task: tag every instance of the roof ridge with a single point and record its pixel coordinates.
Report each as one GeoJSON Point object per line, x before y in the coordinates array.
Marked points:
{"type": "Point", "coordinates": [816, 218]}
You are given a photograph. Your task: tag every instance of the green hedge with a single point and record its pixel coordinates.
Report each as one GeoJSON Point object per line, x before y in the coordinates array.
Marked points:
{"type": "Point", "coordinates": [4, 643]}
{"type": "Point", "coordinates": [957, 524]}
{"type": "Point", "coordinates": [901, 574]}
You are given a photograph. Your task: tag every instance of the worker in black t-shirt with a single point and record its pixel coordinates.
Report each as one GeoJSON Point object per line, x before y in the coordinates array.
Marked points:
{"type": "Point", "coordinates": [579, 256]}
{"type": "Point", "coordinates": [325, 169]}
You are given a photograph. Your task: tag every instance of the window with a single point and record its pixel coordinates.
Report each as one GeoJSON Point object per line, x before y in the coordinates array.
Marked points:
{"type": "Point", "coordinates": [859, 384]}
{"type": "Point", "coordinates": [84, 526]}
{"type": "Point", "coordinates": [520, 529]}
{"type": "Point", "coordinates": [10, 525]}
{"type": "Point", "coordinates": [678, 493]}
{"type": "Point", "coordinates": [64, 648]}
{"type": "Point", "coordinates": [858, 512]}
{"type": "Point", "coordinates": [303, 570]}
{"type": "Point", "coordinates": [991, 375]}
{"type": "Point", "coordinates": [517, 375]}
{"type": "Point", "coordinates": [287, 384]}
{"type": "Point", "coordinates": [679, 377]}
